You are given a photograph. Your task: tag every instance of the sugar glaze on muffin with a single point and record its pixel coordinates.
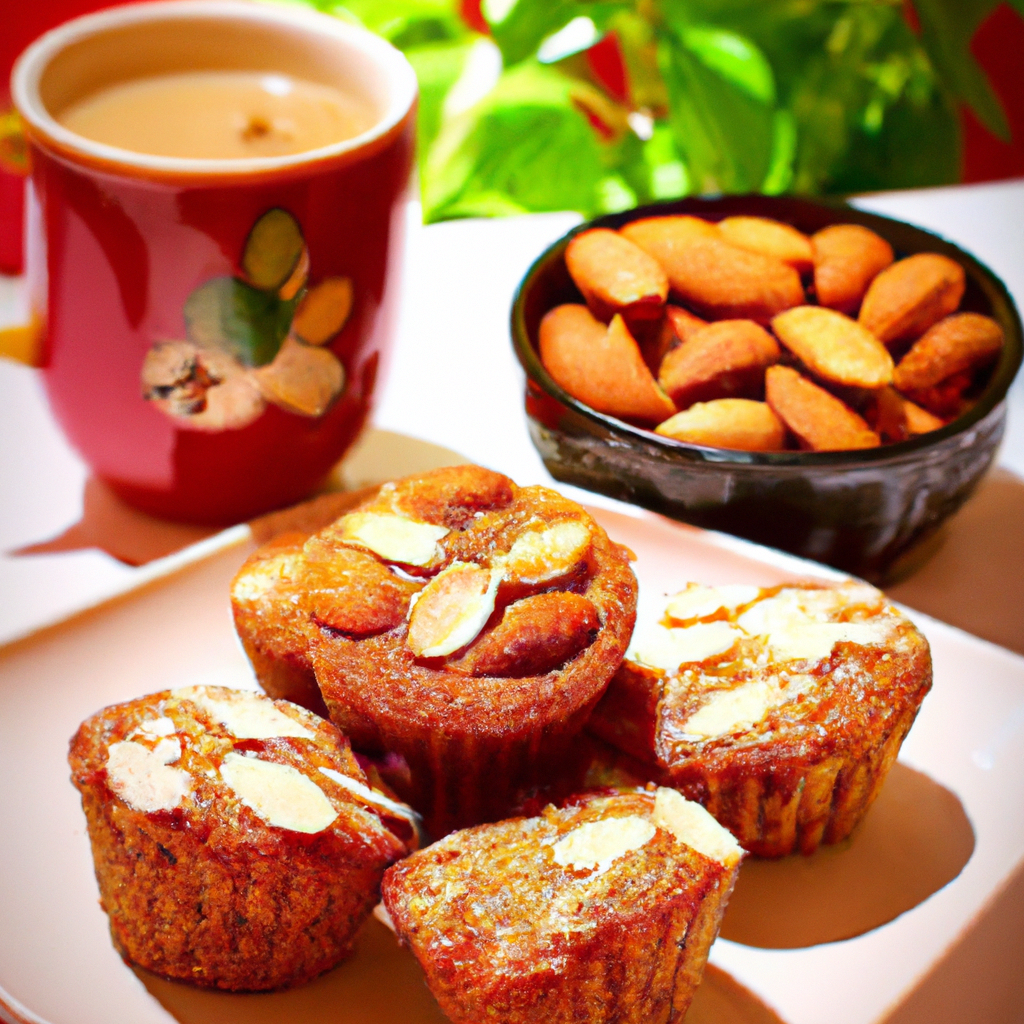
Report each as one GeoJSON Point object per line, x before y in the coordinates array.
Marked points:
{"type": "Point", "coordinates": [780, 709]}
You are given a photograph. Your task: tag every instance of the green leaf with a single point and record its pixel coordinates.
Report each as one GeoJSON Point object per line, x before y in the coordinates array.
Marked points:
{"type": "Point", "coordinates": [484, 204]}
{"type": "Point", "coordinates": [438, 67]}
{"type": "Point", "coordinates": [525, 141]}
{"type": "Point", "coordinates": [245, 322]}
{"type": "Point", "coordinates": [406, 23]}
{"type": "Point", "coordinates": [736, 59]}
{"type": "Point", "coordinates": [520, 29]}
{"type": "Point", "coordinates": [947, 27]}
{"type": "Point", "coordinates": [723, 133]}
{"type": "Point", "coordinates": [614, 194]}
{"type": "Point", "coordinates": [916, 146]}
{"type": "Point", "coordinates": [784, 142]}
{"type": "Point", "coordinates": [272, 249]}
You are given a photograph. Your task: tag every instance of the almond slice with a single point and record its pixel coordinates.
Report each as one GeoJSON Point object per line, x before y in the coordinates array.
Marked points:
{"type": "Point", "coordinates": [834, 347]}
{"type": "Point", "coordinates": [693, 826]}
{"type": "Point", "coordinates": [395, 538]}
{"type": "Point", "coordinates": [534, 637]}
{"type": "Point", "coordinates": [144, 779]}
{"type": "Point", "coordinates": [451, 609]}
{"type": "Point", "coordinates": [698, 600]}
{"type": "Point", "coordinates": [596, 845]}
{"type": "Point", "coordinates": [542, 555]}
{"type": "Point", "coordinates": [246, 716]}
{"type": "Point", "coordinates": [280, 794]}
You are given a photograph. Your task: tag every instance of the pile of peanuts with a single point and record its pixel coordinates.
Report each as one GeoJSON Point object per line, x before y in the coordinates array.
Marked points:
{"type": "Point", "coordinates": [772, 339]}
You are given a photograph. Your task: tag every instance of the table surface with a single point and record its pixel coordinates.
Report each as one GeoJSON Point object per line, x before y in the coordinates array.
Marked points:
{"type": "Point", "coordinates": [454, 381]}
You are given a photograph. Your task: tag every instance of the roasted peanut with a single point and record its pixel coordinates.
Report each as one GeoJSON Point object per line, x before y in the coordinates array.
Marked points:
{"type": "Point", "coordinates": [905, 299]}
{"type": "Point", "coordinates": [955, 344]}
{"type": "Point", "coordinates": [820, 421]}
{"type": "Point", "coordinates": [770, 238]}
{"type": "Point", "coordinates": [724, 359]}
{"type": "Point", "coordinates": [601, 366]}
{"type": "Point", "coordinates": [616, 276]}
{"type": "Point", "coordinates": [834, 347]}
{"type": "Point", "coordinates": [847, 258]}
{"type": "Point", "coordinates": [737, 423]}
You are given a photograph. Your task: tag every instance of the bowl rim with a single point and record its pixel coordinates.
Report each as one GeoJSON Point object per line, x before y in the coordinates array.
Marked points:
{"type": "Point", "coordinates": [721, 206]}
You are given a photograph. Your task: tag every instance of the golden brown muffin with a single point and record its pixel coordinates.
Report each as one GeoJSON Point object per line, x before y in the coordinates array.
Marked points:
{"type": "Point", "coordinates": [603, 910]}
{"type": "Point", "coordinates": [235, 840]}
{"type": "Point", "coordinates": [779, 709]}
{"type": "Point", "coordinates": [272, 621]}
{"type": "Point", "coordinates": [479, 628]}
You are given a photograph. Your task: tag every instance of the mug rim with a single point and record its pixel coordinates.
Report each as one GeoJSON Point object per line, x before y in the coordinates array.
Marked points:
{"type": "Point", "coordinates": [43, 128]}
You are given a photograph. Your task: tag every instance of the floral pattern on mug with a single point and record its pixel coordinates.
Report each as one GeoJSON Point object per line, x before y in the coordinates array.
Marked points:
{"type": "Point", "coordinates": [254, 338]}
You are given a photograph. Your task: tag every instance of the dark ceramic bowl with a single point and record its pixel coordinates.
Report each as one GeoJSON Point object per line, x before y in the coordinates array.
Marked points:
{"type": "Point", "coordinates": [867, 512]}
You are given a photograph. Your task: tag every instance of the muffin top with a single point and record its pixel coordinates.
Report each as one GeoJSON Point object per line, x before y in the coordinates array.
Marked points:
{"type": "Point", "coordinates": [458, 600]}
{"type": "Point", "coordinates": [509, 898]}
{"type": "Point", "coordinates": [235, 767]}
{"type": "Point", "coordinates": [737, 676]}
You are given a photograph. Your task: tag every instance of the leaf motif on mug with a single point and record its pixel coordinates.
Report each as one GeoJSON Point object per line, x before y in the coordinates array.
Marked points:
{"type": "Point", "coordinates": [298, 278]}
{"type": "Point", "coordinates": [302, 379]}
{"type": "Point", "coordinates": [256, 338]}
{"type": "Point", "coordinates": [206, 388]}
{"type": "Point", "coordinates": [229, 315]}
{"type": "Point", "coordinates": [323, 311]}
{"type": "Point", "coordinates": [273, 250]}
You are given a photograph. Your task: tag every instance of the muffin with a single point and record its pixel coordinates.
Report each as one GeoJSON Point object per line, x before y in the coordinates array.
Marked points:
{"type": "Point", "coordinates": [272, 621]}
{"type": "Point", "coordinates": [779, 709]}
{"type": "Point", "coordinates": [602, 910]}
{"type": "Point", "coordinates": [235, 840]}
{"type": "Point", "coordinates": [268, 601]}
{"type": "Point", "coordinates": [466, 627]}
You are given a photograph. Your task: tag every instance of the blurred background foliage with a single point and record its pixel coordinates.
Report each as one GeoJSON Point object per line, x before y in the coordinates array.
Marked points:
{"type": "Point", "coordinates": [532, 105]}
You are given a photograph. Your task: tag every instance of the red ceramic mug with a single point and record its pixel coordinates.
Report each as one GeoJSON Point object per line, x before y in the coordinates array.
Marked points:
{"type": "Point", "coordinates": [212, 331]}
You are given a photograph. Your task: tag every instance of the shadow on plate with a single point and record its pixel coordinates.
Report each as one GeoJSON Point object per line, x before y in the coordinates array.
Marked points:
{"type": "Point", "coordinates": [382, 984]}
{"type": "Point", "coordinates": [916, 839]}
{"type": "Point", "coordinates": [109, 524]}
